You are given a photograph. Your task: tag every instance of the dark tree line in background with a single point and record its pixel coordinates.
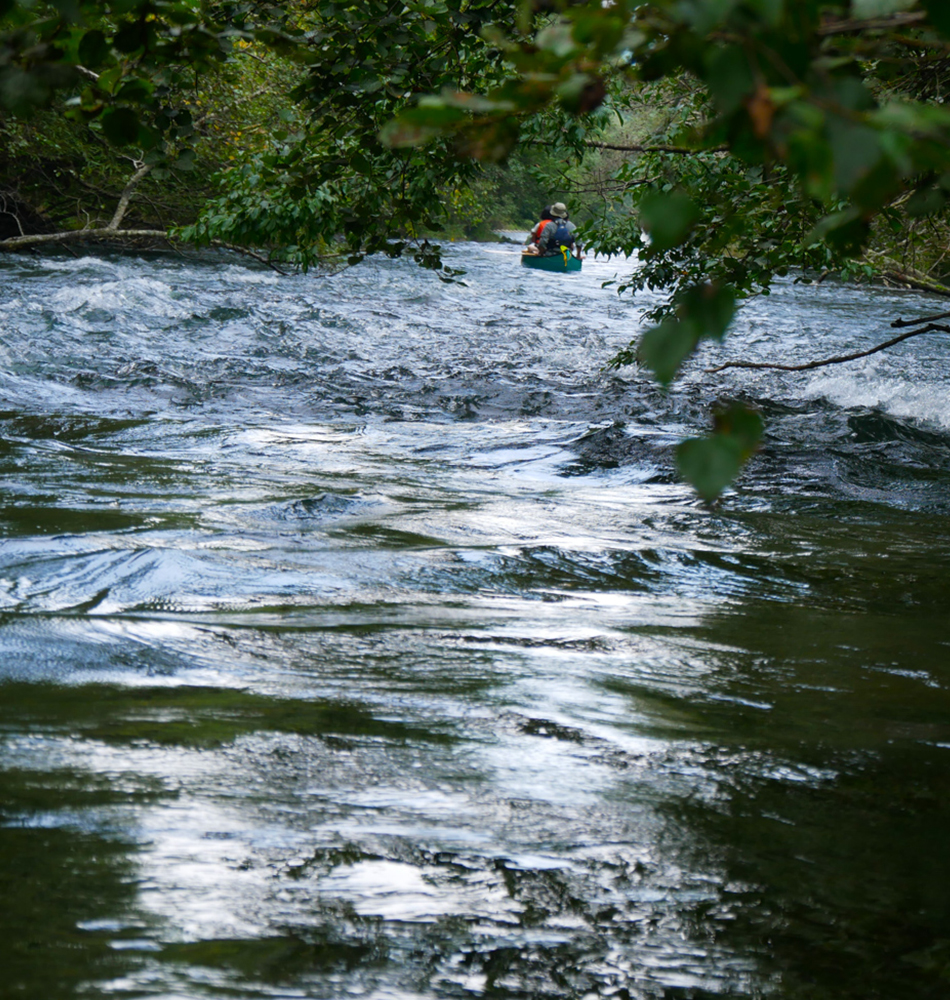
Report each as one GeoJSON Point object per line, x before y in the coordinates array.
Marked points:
{"type": "Point", "coordinates": [725, 142]}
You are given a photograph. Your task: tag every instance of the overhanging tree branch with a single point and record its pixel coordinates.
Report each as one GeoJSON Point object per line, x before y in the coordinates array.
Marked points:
{"type": "Point", "coordinates": [839, 359]}
{"type": "Point", "coordinates": [916, 279]}
{"type": "Point", "coordinates": [77, 235]}
{"type": "Point", "coordinates": [898, 323]}
{"type": "Point", "coordinates": [111, 231]}
{"type": "Point", "coordinates": [246, 252]}
{"type": "Point", "coordinates": [633, 148]}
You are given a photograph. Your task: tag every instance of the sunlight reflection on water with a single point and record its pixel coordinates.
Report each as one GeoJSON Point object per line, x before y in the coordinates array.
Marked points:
{"type": "Point", "coordinates": [358, 638]}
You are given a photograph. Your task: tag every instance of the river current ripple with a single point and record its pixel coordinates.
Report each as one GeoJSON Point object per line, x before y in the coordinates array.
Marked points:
{"type": "Point", "coordinates": [357, 638]}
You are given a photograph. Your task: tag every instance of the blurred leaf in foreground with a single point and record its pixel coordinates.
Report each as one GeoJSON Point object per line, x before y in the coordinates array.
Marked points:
{"type": "Point", "coordinates": [711, 463]}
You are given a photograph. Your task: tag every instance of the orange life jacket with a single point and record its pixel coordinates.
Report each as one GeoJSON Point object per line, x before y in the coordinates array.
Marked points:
{"type": "Point", "coordinates": [538, 229]}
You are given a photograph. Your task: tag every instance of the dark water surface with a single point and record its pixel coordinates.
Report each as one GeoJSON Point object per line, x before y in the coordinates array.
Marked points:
{"type": "Point", "coordinates": [358, 640]}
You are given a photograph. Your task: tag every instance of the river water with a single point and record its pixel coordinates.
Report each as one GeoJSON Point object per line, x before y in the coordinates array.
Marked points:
{"type": "Point", "coordinates": [357, 639]}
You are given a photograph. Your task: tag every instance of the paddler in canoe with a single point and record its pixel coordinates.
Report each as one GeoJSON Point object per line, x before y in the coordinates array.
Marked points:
{"type": "Point", "coordinates": [551, 245]}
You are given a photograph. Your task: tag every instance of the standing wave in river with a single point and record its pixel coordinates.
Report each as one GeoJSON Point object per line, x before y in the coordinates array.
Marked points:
{"type": "Point", "coordinates": [359, 639]}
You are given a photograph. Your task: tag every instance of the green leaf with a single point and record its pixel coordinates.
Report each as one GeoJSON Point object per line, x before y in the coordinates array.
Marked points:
{"type": "Point", "coordinates": [770, 10]}
{"type": "Point", "coordinates": [149, 138]}
{"type": "Point", "coordinates": [470, 102]}
{"type": "Point", "coordinates": [433, 113]}
{"type": "Point", "coordinates": [130, 37]}
{"type": "Point", "coordinates": [710, 307]}
{"type": "Point", "coordinates": [418, 125]}
{"type": "Point", "coordinates": [926, 201]}
{"type": "Point", "coordinates": [135, 90]}
{"type": "Point", "coordinates": [706, 14]}
{"type": "Point", "coordinates": [729, 77]}
{"type": "Point", "coordinates": [665, 347]}
{"type": "Point", "coordinates": [109, 79]}
{"type": "Point", "coordinates": [878, 187]}
{"type": "Point", "coordinates": [125, 6]}
{"type": "Point", "coordinates": [120, 126]}
{"type": "Point", "coordinates": [711, 463]}
{"type": "Point", "coordinates": [399, 134]}
{"type": "Point", "coordinates": [185, 161]}
{"type": "Point", "coordinates": [668, 218]}
{"type": "Point", "coordinates": [849, 239]}
{"type": "Point", "coordinates": [490, 141]}
{"type": "Point", "coordinates": [741, 423]}
{"type": "Point", "coordinates": [856, 149]}
{"type": "Point", "coordinates": [93, 48]}
{"type": "Point", "coordinates": [68, 9]}
{"type": "Point", "coordinates": [841, 229]}
{"type": "Point", "coordinates": [939, 13]}
{"type": "Point", "coordinates": [557, 39]}
{"type": "Point", "coordinates": [20, 91]}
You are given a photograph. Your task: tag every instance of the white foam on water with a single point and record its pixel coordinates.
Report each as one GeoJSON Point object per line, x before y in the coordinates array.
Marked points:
{"type": "Point", "coordinates": [241, 275]}
{"type": "Point", "coordinates": [900, 397]}
{"type": "Point", "coordinates": [125, 295]}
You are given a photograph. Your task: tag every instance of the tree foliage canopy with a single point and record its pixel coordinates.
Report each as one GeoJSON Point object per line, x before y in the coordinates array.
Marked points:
{"type": "Point", "coordinates": [799, 134]}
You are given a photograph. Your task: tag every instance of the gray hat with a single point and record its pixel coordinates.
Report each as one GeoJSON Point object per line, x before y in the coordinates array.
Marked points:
{"type": "Point", "coordinates": [559, 210]}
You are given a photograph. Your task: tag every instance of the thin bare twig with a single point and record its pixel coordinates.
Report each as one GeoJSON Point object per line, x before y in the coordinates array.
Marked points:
{"type": "Point", "coordinates": [857, 24]}
{"type": "Point", "coordinates": [14, 213]}
{"type": "Point", "coordinates": [234, 248]}
{"type": "Point", "coordinates": [634, 148]}
{"type": "Point", "coordinates": [917, 322]}
{"type": "Point", "coordinates": [840, 359]}
{"type": "Point", "coordinates": [921, 43]}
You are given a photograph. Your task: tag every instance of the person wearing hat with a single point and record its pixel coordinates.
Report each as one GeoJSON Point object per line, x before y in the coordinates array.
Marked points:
{"type": "Point", "coordinates": [557, 233]}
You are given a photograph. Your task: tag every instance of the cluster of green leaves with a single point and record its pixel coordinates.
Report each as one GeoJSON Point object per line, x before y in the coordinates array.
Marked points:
{"type": "Point", "coordinates": [177, 86]}
{"type": "Point", "coordinates": [709, 229]}
{"type": "Point", "coordinates": [329, 185]}
{"type": "Point", "coordinates": [562, 66]}
{"type": "Point", "coordinates": [815, 146]}
{"type": "Point", "coordinates": [127, 65]}
{"type": "Point", "coordinates": [308, 207]}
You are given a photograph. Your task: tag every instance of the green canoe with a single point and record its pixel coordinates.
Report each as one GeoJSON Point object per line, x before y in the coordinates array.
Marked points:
{"type": "Point", "coordinates": [562, 262]}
